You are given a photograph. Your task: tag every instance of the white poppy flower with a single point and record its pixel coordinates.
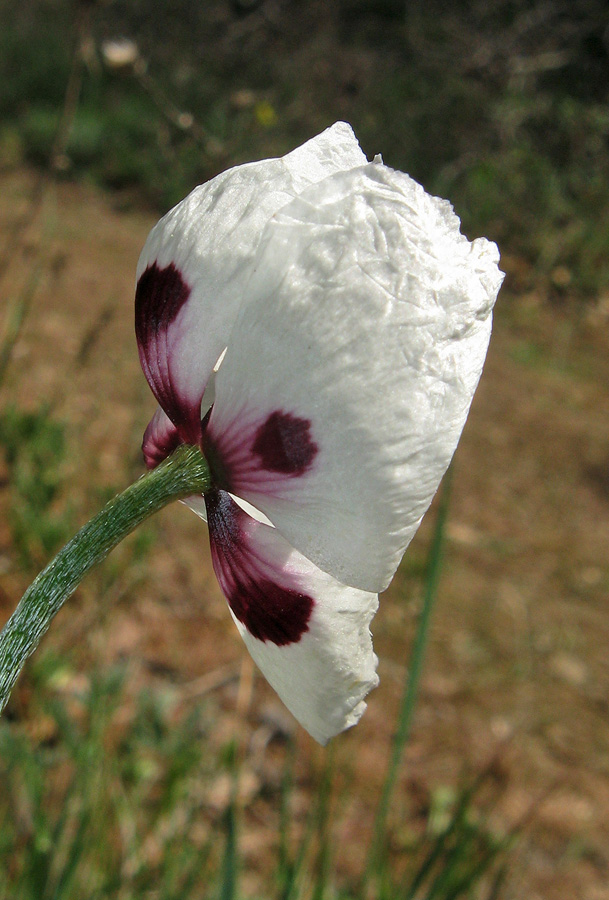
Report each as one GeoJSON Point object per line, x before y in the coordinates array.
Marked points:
{"type": "Point", "coordinates": [354, 320]}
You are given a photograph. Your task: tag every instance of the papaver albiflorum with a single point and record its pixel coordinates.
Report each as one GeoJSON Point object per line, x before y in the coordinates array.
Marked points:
{"type": "Point", "coordinates": [317, 324]}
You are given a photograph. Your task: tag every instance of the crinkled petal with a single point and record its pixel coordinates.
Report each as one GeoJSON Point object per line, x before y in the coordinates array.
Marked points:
{"type": "Point", "coordinates": [192, 272]}
{"type": "Point", "coordinates": [309, 635]}
{"type": "Point", "coordinates": [351, 369]}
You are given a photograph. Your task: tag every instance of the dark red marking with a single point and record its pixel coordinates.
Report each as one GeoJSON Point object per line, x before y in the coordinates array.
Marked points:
{"type": "Point", "coordinates": [270, 611]}
{"type": "Point", "coordinates": [159, 297]}
{"type": "Point", "coordinates": [157, 445]}
{"type": "Point", "coordinates": [284, 444]}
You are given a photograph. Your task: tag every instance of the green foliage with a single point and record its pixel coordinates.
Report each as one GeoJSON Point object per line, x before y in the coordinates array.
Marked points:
{"type": "Point", "coordinates": [103, 794]}
{"type": "Point", "coordinates": [34, 446]}
{"type": "Point", "coordinates": [34, 59]}
{"type": "Point", "coordinates": [547, 203]}
{"type": "Point", "coordinates": [461, 855]}
{"type": "Point", "coordinates": [496, 106]}
{"type": "Point", "coordinates": [106, 798]}
{"type": "Point", "coordinates": [523, 162]}
{"type": "Point", "coordinates": [121, 822]}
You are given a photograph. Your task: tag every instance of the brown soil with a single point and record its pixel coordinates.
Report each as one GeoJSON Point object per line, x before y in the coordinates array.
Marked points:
{"type": "Point", "coordinates": [517, 663]}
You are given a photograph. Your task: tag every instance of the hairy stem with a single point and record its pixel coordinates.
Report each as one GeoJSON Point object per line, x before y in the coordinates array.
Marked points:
{"type": "Point", "coordinates": [184, 473]}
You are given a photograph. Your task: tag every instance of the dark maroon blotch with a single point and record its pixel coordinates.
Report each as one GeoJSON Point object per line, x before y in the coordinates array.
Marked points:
{"type": "Point", "coordinates": [284, 444]}
{"type": "Point", "coordinates": [269, 611]}
{"type": "Point", "coordinates": [223, 516]}
{"type": "Point", "coordinates": [159, 297]}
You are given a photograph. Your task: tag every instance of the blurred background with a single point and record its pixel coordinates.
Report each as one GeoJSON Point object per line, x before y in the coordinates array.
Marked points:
{"type": "Point", "coordinates": [141, 754]}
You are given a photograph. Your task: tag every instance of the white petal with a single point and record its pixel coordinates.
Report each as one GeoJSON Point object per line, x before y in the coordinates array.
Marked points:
{"type": "Point", "coordinates": [197, 259]}
{"type": "Point", "coordinates": [197, 504]}
{"type": "Point", "coordinates": [351, 369]}
{"type": "Point", "coordinates": [309, 635]}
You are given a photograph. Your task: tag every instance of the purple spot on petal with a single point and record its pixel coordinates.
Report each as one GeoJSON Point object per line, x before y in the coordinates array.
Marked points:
{"type": "Point", "coordinates": [270, 611]}
{"type": "Point", "coordinates": [284, 444]}
{"type": "Point", "coordinates": [159, 297]}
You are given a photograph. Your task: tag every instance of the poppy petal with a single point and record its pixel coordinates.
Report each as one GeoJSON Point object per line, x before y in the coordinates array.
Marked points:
{"type": "Point", "coordinates": [351, 369]}
{"type": "Point", "coordinates": [195, 265]}
{"type": "Point", "coordinates": [308, 634]}
{"type": "Point", "coordinates": [160, 439]}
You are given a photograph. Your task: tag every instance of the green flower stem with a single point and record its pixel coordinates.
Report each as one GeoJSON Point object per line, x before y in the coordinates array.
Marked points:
{"type": "Point", "coordinates": [183, 473]}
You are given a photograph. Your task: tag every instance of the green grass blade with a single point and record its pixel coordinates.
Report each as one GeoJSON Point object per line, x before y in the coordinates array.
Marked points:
{"type": "Point", "coordinates": [16, 319]}
{"type": "Point", "coordinates": [297, 866]}
{"type": "Point", "coordinates": [77, 850]}
{"type": "Point", "coordinates": [230, 860]}
{"type": "Point", "coordinates": [374, 861]}
{"type": "Point", "coordinates": [296, 870]}
{"type": "Point", "coordinates": [285, 866]}
{"type": "Point", "coordinates": [322, 822]}
{"type": "Point", "coordinates": [442, 841]}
